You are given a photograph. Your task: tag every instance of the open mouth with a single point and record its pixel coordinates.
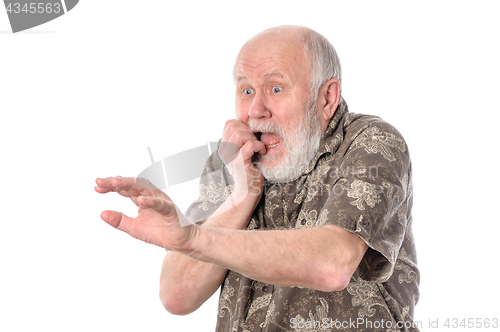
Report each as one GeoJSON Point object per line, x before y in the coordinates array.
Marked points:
{"type": "Point", "coordinates": [270, 140]}
{"type": "Point", "coordinates": [272, 146]}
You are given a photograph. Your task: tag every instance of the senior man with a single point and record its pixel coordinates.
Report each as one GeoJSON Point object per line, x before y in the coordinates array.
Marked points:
{"type": "Point", "coordinates": [314, 231]}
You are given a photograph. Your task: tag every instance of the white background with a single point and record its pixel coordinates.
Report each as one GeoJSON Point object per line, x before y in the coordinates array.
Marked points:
{"type": "Point", "coordinates": [85, 95]}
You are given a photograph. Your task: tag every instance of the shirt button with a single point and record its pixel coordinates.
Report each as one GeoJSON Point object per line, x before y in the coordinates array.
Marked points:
{"type": "Point", "coordinates": [264, 289]}
{"type": "Point", "coordinates": [303, 222]}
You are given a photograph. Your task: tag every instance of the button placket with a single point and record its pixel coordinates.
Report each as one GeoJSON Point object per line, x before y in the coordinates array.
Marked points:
{"type": "Point", "coordinates": [363, 226]}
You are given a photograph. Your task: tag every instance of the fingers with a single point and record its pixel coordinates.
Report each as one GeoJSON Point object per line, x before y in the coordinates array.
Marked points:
{"type": "Point", "coordinates": [252, 147]}
{"type": "Point", "coordinates": [117, 183]}
{"type": "Point", "coordinates": [164, 207]}
{"type": "Point", "coordinates": [242, 138]}
{"type": "Point", "coordinates": [128, 187]}
{"type": "Point", "coordinates": [237, 132]}
{"type": "Point", "coordinates": [124, 223]}
{"type": "Point", "coordinates": [231, 126]}
{"type": "Point", "coordinates": [104, 185]}
{"type": "Point", "coordinates": [239, 135]}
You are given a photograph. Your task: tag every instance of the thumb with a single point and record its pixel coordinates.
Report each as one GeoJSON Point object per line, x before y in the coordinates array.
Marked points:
{"type": "Point", "coordinates": [113, 218]}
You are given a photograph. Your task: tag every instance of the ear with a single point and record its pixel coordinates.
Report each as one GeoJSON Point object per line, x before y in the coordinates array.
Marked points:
{"type": "Point", "coordinates": [330, 93]}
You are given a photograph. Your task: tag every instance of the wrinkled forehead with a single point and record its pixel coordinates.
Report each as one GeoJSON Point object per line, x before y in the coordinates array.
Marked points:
{"type": "Point", "coordinates": [264, 58]}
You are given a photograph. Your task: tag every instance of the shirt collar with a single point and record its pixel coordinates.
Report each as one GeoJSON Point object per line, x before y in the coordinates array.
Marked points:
{"type": "Point", "coordinates": [331, 139]}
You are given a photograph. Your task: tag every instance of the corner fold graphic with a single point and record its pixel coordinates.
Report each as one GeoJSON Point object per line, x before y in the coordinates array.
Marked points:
{"type": "Point", "coordinates": [70, 4]}
{"type": "Point", "coordinates": [25, 14]}
{"type": "Point", "coordinates": [183, 166]}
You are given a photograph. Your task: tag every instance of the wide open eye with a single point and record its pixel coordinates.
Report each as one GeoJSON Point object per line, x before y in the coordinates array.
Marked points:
{"type": "Point", "coordinates": [247, 91]}
{"type": "Point", "coordinates": [277, 89]}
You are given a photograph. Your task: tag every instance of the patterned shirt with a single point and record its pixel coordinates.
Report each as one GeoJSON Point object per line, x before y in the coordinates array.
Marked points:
{"type": "Point", "coordinates": [359, 180]}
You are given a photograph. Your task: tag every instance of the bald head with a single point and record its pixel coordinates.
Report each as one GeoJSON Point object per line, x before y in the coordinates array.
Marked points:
{"type": "Point", "coordinates": [320, 58]}
{"type": "Point", "coordinates": [289, 33]}
{"type": "Point", "coordinates": [287, 39]}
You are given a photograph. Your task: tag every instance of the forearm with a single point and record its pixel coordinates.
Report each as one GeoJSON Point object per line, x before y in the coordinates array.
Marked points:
{"type": "Point", "coordinates": [186, 283]}
{"type": "Point", "coordinates": [319, 258]}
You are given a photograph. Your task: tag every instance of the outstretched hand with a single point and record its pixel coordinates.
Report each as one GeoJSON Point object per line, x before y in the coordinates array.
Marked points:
{"type": "Point", "coordinates": [158, 222]}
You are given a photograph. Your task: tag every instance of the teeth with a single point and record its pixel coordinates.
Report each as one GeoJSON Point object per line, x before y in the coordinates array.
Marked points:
{"type": "Point", "coordinates": [272, 146]}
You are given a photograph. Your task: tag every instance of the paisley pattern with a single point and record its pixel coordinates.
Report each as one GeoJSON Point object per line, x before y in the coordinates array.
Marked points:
{"type": "Point", "coordinates": [374, 140]}
{"type": "Point", "coordinates": [360, 180]}
{"type": "Point", "coordinates": [367, 296]}
{"type": "Point", "coordinates": [212, 194]}
{"type": "Point", "coordinates": [225, 300]}
{"type": "Point", "coordinates": [364, 192]}
{"type": "Point", "coordinates": [317, 322]}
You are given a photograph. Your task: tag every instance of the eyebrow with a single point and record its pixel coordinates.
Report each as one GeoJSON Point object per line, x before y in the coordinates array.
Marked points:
{"type": "Point", "coordinates": [274, 73]}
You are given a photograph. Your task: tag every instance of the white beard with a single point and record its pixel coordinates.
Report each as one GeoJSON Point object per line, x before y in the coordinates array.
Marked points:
{"type": "Point", "coordinates": [301, 145]}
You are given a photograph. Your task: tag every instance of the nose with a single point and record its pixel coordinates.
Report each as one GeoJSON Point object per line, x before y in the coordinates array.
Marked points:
{"type": "Point", "coordinates": [258, 108]}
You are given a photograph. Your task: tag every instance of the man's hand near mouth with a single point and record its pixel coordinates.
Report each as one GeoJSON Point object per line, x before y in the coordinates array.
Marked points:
{"type": "Point", "coordinates": [245, 174]}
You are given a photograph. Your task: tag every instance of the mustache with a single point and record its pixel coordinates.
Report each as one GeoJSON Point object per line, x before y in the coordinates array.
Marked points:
{"type": "Point", "coordinates": [266, 127]}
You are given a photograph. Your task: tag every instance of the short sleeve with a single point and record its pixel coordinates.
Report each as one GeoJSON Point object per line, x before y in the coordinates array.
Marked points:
{"type": "Point", "coordinates": [369, 194]}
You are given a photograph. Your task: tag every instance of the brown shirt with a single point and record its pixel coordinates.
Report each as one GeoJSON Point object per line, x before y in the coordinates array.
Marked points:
{"type": "Point", "coordinates": [360, 180]}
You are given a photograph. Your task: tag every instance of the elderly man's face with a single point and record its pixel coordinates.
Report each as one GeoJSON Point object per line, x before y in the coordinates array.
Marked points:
{"type": "Point", "coordinates": [272, 97]}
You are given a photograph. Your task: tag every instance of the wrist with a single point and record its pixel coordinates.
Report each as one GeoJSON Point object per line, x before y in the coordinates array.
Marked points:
{"type": "Point", "coordinates": [245, 203]}
{"type": "Point", "coordinates": [191, 244]}
{"type": "Point", "coordinates": [198, 242]}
